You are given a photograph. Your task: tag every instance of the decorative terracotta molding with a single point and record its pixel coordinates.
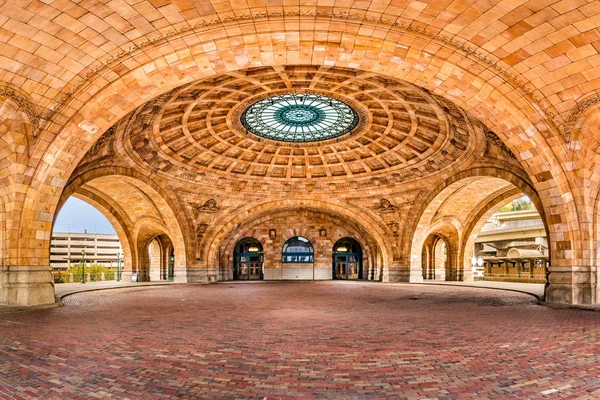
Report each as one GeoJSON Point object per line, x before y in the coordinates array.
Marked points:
{"type": "Point", "coordinates": [23, 101]}
{"type": "Point", "coordinates": [583, 103]}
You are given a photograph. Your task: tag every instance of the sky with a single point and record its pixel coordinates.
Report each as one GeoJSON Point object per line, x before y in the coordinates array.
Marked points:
{"type": "Point", "coordinates": [77, 216]}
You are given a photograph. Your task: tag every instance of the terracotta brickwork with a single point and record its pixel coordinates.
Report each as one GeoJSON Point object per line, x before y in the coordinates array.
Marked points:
{"type": "Point", "coordinates": [166, 81]}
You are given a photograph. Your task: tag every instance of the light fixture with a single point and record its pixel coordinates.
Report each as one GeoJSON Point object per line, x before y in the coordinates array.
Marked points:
{"type": "Point", "coordinates": [342, 249]}
{"type": "Point", "coordinates": [253, 249]}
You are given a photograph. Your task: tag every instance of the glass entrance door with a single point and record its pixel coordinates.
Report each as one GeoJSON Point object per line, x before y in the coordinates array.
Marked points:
{"type": "Point", "coordinates": [248, 266]}
{"type": "Point", "coordinates": [341, 267]}
{"type": "Point", "coordinates": [248, 260]}
{"type": "Point", "coordinates": [347, 266]}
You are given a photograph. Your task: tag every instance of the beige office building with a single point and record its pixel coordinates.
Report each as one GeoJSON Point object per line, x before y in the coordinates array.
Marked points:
{"type": "Point", "coordinates": [100, 248]}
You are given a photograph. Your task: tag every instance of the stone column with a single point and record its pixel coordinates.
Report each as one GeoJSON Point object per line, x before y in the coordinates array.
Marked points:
{"type": "Point", "coordinates": [25, 277]}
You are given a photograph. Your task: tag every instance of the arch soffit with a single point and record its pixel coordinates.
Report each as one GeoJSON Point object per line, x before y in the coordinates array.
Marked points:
{"type": "Point", "coordinates": [147, 185]}
{"type": "Point", "coordinates": [447, 228]}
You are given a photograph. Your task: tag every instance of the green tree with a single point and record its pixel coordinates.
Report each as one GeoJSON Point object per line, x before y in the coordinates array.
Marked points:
{"type": "Point", "coordinates": [520, 204]}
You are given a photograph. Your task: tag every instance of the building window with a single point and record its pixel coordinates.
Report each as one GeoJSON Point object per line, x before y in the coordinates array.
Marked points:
{"type": "Point", "coordinates": [297, 250]}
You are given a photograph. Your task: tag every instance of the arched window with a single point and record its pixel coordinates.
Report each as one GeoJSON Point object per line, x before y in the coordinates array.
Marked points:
{"type": "Point", "coordinates": [297, 250]}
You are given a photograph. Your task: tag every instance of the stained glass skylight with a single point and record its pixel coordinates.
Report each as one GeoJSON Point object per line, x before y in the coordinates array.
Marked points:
{"type": "Point", "coordinates": [299, 117]}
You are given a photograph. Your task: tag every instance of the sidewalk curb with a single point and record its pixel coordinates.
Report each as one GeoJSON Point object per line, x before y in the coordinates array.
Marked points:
{"type": "Point", "coordinates": [483, 287]}
{"type": "Point", "coordinates": [62, 296]}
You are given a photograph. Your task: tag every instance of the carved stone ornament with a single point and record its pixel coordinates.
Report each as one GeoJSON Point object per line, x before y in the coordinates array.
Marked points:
{"type": "Point", "coordinates": [385, 206]}
{"type": "Point", "coordinates": [103, 144]}
{"type": "Point", "coordinates": [210, 206]}
{"type": "Point", "coordinates": [494, 140]}
{"type": "Point", "coordinates": [35, 119]}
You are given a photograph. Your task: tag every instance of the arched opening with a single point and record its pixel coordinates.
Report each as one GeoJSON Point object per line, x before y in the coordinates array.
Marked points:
{"type": "Point", "coordinates": [511, 244]}
{"type": "Point", "coordinates": [154, 260]}
{"type": "Point", "coordinates": [347, 259]}
{"type": "Point", "coordinates": [87, 243]}
{"type": "Point", "coordinates": [440, 259]}
{"type": "Point", "coordinates": [435, 259]}
{"type": "Point", "coordinates": [445, 239]}
{"type": "Point", "coordinates": [145, 219]}
{"type": "Point", "coordinates": [297, 250]}
{"type": "Point", "coordinates": [248, 260]}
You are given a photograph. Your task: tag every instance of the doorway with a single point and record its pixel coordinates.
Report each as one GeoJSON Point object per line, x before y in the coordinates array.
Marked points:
{"type": "Point", "coordinates": [248, 260]}
{"type": "Point", "coordinates": [347, 259]}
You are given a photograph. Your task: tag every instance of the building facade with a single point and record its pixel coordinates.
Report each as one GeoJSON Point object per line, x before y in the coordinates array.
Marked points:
{"type": "Point", "coordinates": [66, 249]}
{"type": "Point", "coordinates": [399, 125]}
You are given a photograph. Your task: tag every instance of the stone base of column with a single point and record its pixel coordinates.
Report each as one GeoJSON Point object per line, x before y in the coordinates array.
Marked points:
{"type": "Point", "coordinates": [180, 275]}
{"type": "Point", "coordinates": [26, 285]}
{"type": "Point", "coordinates": [201, 275]}
{"type": "Point", "coordinates": [126, 276]}
{"type": "Point", "coordinates": [402, 275]}
{"type": "Point", "coordinates": [572, 285]}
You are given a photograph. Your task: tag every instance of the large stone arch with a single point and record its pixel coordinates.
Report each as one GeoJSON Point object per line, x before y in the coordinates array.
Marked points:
{"type": "Point", "coordinates": [371, 250]}
{"type": "Point", "coordinates": [452, 194]}
{"type": "Point", "coordinates": [518, 121]}
{"type": "Point", "coordinates": [162, 216]}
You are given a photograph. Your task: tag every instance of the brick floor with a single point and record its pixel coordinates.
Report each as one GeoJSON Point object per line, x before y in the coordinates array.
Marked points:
{"type": "Point", "coordinates": [300, 340]}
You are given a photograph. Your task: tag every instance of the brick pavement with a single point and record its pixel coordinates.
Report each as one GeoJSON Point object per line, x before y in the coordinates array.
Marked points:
{"type": "Point", "coordinates": [300, 340]}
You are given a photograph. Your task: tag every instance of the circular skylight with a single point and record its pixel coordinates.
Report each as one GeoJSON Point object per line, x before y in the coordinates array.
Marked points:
{"type": "Point", "coordinates": [299, 117]}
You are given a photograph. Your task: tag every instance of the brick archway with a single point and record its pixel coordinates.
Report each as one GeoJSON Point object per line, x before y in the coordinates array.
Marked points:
{"type": "Point", "coordinates": [461, 202]}
{"type": "Point", "coordinates": [521, 126]}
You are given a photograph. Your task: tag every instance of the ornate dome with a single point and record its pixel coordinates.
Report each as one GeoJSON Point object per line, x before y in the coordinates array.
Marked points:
{"type": "Point", "coordinates": [297, 125]}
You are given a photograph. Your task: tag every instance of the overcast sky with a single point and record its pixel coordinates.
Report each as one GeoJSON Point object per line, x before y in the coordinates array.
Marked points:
{"type": "Point", "coordinates": [77, 216]}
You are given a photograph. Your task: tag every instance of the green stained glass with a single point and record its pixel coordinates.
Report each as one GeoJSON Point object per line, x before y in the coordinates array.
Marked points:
{"type": "Point", "coordinates": [299, 117]}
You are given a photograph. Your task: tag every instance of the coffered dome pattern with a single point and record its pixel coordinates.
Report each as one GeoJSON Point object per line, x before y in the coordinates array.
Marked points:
{"type": "Point", "coordinates": [196, 131]}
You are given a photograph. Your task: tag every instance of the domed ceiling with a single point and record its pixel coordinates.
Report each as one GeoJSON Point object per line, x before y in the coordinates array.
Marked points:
{"type": "Point", "coordinates": [299, 127]}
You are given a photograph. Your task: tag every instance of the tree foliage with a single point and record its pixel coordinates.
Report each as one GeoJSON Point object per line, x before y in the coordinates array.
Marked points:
{"type": "Point", "coordinates": [95, 271]}
{"type": "Point", "coordinates": [520, 204]}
